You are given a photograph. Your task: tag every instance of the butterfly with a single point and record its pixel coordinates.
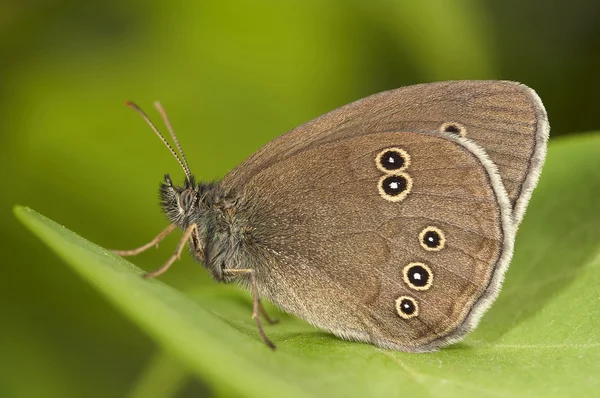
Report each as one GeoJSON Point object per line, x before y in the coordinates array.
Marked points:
{"type": "Point", "coordinates": [390, 220]}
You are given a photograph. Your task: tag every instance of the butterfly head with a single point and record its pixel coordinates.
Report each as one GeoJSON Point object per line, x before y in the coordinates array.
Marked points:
{"type": "Point", "coordinates": [178, 202]}
{"type": "Point", "coordinates": [219, 233]}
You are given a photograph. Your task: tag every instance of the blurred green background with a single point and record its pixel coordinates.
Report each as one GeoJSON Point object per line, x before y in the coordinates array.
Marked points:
{"type": "Point", "coordinates": [232, 75]}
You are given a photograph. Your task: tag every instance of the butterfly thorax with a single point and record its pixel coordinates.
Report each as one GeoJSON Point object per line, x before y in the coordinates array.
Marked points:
{"type": "Point", "coordinates": [221, 236]}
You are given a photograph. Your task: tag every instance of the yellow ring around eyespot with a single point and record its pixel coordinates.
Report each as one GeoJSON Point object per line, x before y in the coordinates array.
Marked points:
{"type": "Point", "coordinates": [407, 280]}
{"type": "Point", "coordinates": [439, 232]}
{"type": "Point", "coordinates": [399, 151]}
{"type": "Point", "coordinates": [399, 308]}
{"type": "Point", "coordinates": [400, 197]}
{"type": "Point", "coordinates": [462, 130]}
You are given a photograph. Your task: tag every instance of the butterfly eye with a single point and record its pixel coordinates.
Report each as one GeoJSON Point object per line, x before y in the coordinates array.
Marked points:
{"type": "Point", "coordinates": [186, 200]}
{"type": "Point", "coordinates": [392, 160]}
{"type": "Point", "coordinates": [432, 239]}
{"type": "Point", "coordinates": [407, 307]}
{"type": "Point", "coordinates": [418, 276]}
{"type": "Point", "coordinates": [395, 187]}
{"type": "Point", "coordinates": [454, 128]}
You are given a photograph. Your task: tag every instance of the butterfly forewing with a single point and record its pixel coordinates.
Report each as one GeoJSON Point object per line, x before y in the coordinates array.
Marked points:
{"type": "Point", "coordinates": [504, 118]}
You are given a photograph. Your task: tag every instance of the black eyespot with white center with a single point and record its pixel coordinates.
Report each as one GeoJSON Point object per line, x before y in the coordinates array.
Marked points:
{"type": "Point", "coordinates": [392, 160]}
{"type": "Point", "coordinates": [454, 128]}
{"type": "Point", "coordinates": [395, 187]}
{"type": "Point", "coordinates": [418, 276]}
{"type": "Point", "coordinates": [432, 239]}
{"type": "Point", "coordinates": [407, 307]}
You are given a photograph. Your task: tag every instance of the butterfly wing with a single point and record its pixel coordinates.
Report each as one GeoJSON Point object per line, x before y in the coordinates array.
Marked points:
{"type": "Point", "coordinates": [331, 240]}
{"type": "Point", "coordinates": [506, 119]}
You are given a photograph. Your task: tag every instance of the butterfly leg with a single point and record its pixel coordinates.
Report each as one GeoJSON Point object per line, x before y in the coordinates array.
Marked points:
{"type": "Point", "coordinates": [153, 242]}
{"type": "Point", "coordinates": [176, 255]}
{"type": "Point", "coordinates": [264, 314]}
{"type": "Point", "coordinates": [256, 304]}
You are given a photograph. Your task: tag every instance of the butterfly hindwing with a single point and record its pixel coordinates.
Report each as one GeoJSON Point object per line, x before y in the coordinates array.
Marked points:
{"type": "Point", "coordinates": [350, 233]}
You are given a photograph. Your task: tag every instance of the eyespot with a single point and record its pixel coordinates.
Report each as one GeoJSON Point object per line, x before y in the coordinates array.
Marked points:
{"type": "Point", "coordinates": [395, 187]}
{"type": "Point", "coordinates": [407, 307]}
{"type": "Point", "coordinates": [454, 128]}
{"type": "Point", "coordinates": [392, 160]}
{"type": "Point", "coordinates": [418, 276]}
{"type": "Point", "coordinates": [432, 239]}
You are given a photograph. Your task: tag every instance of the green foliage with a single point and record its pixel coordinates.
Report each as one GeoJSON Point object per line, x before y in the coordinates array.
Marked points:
{"type": "Point", "coordinates": [540, 339]}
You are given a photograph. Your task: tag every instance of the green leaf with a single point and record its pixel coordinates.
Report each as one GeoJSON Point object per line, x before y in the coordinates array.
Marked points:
{"type": "Point", "coordinates": [541, 338]}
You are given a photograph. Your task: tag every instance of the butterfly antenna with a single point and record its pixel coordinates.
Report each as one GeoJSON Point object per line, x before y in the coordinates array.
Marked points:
{"type": "Point", "coordinates": [165, 119]}
{"type": "Point", "coordinates": [162, 138]}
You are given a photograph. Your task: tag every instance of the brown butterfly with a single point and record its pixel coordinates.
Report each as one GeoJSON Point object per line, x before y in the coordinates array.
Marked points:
{"type": "Point", "coordinates": [390, 220]}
